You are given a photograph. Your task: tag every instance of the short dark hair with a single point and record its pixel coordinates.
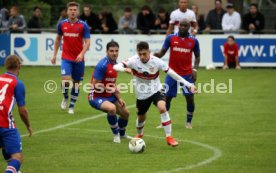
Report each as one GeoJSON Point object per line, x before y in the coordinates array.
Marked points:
{"type": "Point", "coordinates": [112, 44]}
{"type": "Point", "coordinates": [142, 46]}
{"type": "Point", "coordinates": [12, 62]}
{"type": "Point", "coordinates": [87, 6]}
{"type": "Point", "coordinates": [127, 9]}
{"type": "Point", "coordinates": [73, 3]}
{"type": "Point", "coordinates": [254, 4]}
{"type": "Point", "coordinates": [218, 1]}
{"type": "Point", "coordinates": [161, 10]}
{"type": "Point", "coordinates": [232, 37]}
{"type": "Point", "coordinates": [36, 7]}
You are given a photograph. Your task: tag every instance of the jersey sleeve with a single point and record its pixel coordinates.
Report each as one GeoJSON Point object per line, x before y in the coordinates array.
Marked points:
{"type": "Point", "coordinates": [162, 65]}
{"type": "Point", "coordinates": [59, 30]}
{"type": "Point", "coordinates": [172, 18]}
{"type": "Point", "coordinates": [167, 42]}
{"type": "Point", "coordinates": [19, 93]}
{"type": "Point", "coordinates": [86, 32]}
{"type": "Point", "coordinates": [236, 50]}
{"type": "Point", "coordinates": [196, 48]}
{"type": "Point", "coordinates": [99, 72]}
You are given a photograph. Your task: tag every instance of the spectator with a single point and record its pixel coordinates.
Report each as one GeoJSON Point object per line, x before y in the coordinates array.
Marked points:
{"type": "Point", "coordinates": [16, 21]}
{"type": "Point", "coordinates": [108, 23]}
{"type": "Point", "coordinates": [62, 15]}
{"type": "Point", "coordinates": [35, 22]}
{"type": "Point", "coordinates": [231, 54]}
{"type": "Point", "coordinates": [4, 18]}
{"type": "Point", "coordinates": [180, 14]}
{"type": "Point", "coordinates": [214, 17]}
{"type": "Point", "coordinates": [90, 18]}
{"type": "Point", "coordinates": [231, 21]}
{"type": "Point", "coordinates": [162, 20]}
{"type": "Point", "coordinates": [253, 21]}
{"type": "Point", "coordinates": [145, 20]}
{"type": "Point", "coordinates": [199, 18]}
{"type": "Point", "coordinates": [127, 22]}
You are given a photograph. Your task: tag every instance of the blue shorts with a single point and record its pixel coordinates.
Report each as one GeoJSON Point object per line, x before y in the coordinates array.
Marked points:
{"type": "Point", "coordinates": [71, 68]}
{"type": "Point", "coordinates": [97, 102]}
{"type": "Point", "coordinates": [173, 86]}
{"type": "Point", "coordinates": [10, 141]}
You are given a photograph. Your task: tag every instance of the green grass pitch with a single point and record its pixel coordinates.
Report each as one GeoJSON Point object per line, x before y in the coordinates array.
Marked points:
{"type": "Point", "coordinates": [231, 132]}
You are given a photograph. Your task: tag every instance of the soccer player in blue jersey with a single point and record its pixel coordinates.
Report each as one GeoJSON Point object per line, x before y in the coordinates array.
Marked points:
{"type": "Point", "coordinates": [104, 94]}
{"type": "Point", "coordinates": [76, 41]}
{"type": "Point", "coordinates": [12, 90]}
{"type": "Point", "coordinates": [182, 46]}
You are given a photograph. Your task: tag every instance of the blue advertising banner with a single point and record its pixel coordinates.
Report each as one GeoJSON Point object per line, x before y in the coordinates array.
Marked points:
{"type": "Point", "coordinates": [5, 42]}
{"type": "Point", "coordinates": [250, 50]}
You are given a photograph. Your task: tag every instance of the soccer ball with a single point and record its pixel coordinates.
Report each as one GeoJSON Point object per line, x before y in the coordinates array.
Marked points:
{"type": "Point", "coordinates": [137, 145]}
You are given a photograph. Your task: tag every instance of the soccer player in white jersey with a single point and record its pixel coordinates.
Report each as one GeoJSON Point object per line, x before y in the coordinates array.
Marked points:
{"type": "Point", "coordinates": [145, 69]}
{"type": "Point", "coordinates": [180, 14]}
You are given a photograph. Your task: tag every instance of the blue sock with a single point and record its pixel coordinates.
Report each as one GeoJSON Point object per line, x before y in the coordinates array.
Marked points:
{"type": "Point", "coordinates": [13, 166]}
{"type": "Point", "coordinates": [113, 122]}
{"type": "Point", "coordinates": [64, 90]}
{"type": "Point", "coordinates": [190, 111]}
{"type": "Point", "coordinates": [6, 155]}
{"type": "Point", "coordinates": [122, 126]}
{"type": "Point", "coordinates": [74, 97]}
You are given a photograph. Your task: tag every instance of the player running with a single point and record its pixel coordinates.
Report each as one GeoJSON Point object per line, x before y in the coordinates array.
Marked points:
{"type": "Point", "coordinates": [73, 32]}
{"type": "Point", "coordinates": [182, 45]}
{"type": "Point", "coordinates": [145, 69]}
{"type": "Point", "coordinates": [105, 96]}
{"type": "Point", "coordinates": [11, 90]}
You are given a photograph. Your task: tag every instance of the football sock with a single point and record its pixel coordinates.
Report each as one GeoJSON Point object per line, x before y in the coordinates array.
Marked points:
{"type": "Point", "coordinates": [140, 126]}
{"type": "Point", "coordinates": [13, 166]}
{"type": "Point", "coordinates": [190, 111]}
{"type": "Point", "coordinates": [65, 89]}
{"type": "Point", "coordinates": [122, 126]}
{"type": "Point", "coordinates": [6, 155]}
{"type": "Point", "coordinates": [166, 123]}
{"type": "Point", "coordinates": [74, 96]}
{"type": "Point", "coordinates": [113, 123]}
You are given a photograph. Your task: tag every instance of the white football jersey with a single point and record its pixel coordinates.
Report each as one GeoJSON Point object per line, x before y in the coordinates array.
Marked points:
{"type": "Point", "coordinates": [177, 16]}
{"type": "Point", "coordinates": [146, 75]}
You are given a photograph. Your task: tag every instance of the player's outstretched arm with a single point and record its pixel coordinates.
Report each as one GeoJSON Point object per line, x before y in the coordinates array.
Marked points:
{"type": "Point", "coordinates": [120, 67]}
{"type": "Point", "coordinates": [176, 77]}
{"type": "Point", "coordinates": [161, 53]}
{"type": "Point", "coordinates": [25, 118]}
{"type": "Point", "coordinates": [56, 46]}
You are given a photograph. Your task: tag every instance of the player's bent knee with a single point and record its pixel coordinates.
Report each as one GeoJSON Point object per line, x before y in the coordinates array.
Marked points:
{"type": "Point", "coordinates": [111, 110]}
{"type": "Point", "coordinates": [18, 156]}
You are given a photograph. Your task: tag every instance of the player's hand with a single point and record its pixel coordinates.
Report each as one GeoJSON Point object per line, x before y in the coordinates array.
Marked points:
{"type": "Point", "coordinates": [194, 74]}
{"type": "Point", "coordinates": [129, 71]}
{"type": "Point", "coordinates": [30, 130]}
{"type": "Point", "coordinates": [238, 67]}
{"type": "Point", "coordinates": [193, 89]}
{"type": "Point", "coordinates": [122, 102]}
{"type": "Point", "coordinates": [53, 60]}
{"type": "Point", "coordinates": [80, 57]}
{"type": "Point", "coordinates": [225, 67]}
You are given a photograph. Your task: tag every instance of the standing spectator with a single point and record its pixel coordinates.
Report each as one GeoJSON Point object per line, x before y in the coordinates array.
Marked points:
{"type": "Point", "coordinates": [231, 54]}
{"type": "Point", "coordinates": [145, 20]}
{"type": "Point", "coordinates": [253, 21]}
{"type": "Point", "coordinates": [127, 22]}
{"type": "Point", "coordinates": [62, 15]}
{"type": "Point", "coordinates": [199, 18]}
{"type": "Point", "coordinates": [231, 21]}
{"type": "Point", "coordinates": [214, 17]}
{"type": "Point", "coordinates": [35, 22]}
{"type": "Point", "coordinates": [180, 14]}
{"type": "Point", "coordinates": [162, 20]}
{"type": "Point", "coordinates": [90, 18]}
{"type": "Point", "coordinates": [4, 18]}
{"type": "Point", "coordinates": [108, 23]}
{"type": "Point", "coordinates": [16, 21]}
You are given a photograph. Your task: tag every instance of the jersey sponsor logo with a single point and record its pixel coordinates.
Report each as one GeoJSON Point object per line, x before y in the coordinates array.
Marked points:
{"type": "Point", "coordinates": [110, 79]}
{"type": "Point", "coordinates": [5, 79]}
{"type": "Point", "coordinates": [68, 34]}
{"type": "Point", "coordinates": [182, 50]}
{"type": "Point", "coordinates": [26, 47]}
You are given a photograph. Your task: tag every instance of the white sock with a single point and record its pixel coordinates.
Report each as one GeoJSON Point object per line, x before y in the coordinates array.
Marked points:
{"type": "Point", "coordinates": [166, 123]}
{"type": "Point", "coordinates": [140, 126]}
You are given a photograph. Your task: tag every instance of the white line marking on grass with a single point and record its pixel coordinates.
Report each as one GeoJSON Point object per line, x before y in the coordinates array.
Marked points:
{"type": "Point", "coordinates": [216, 152]}
{"type": "Point", "coordinates": [72, 123]}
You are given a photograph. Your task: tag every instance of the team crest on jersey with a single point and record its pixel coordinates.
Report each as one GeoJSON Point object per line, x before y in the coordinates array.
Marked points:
{"type": "Point", "coordinates": [190, 44]}
{"type": "Point", "coordinates": [77, 29]}
{"type": "Point", "coordinates": [151, 69]}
